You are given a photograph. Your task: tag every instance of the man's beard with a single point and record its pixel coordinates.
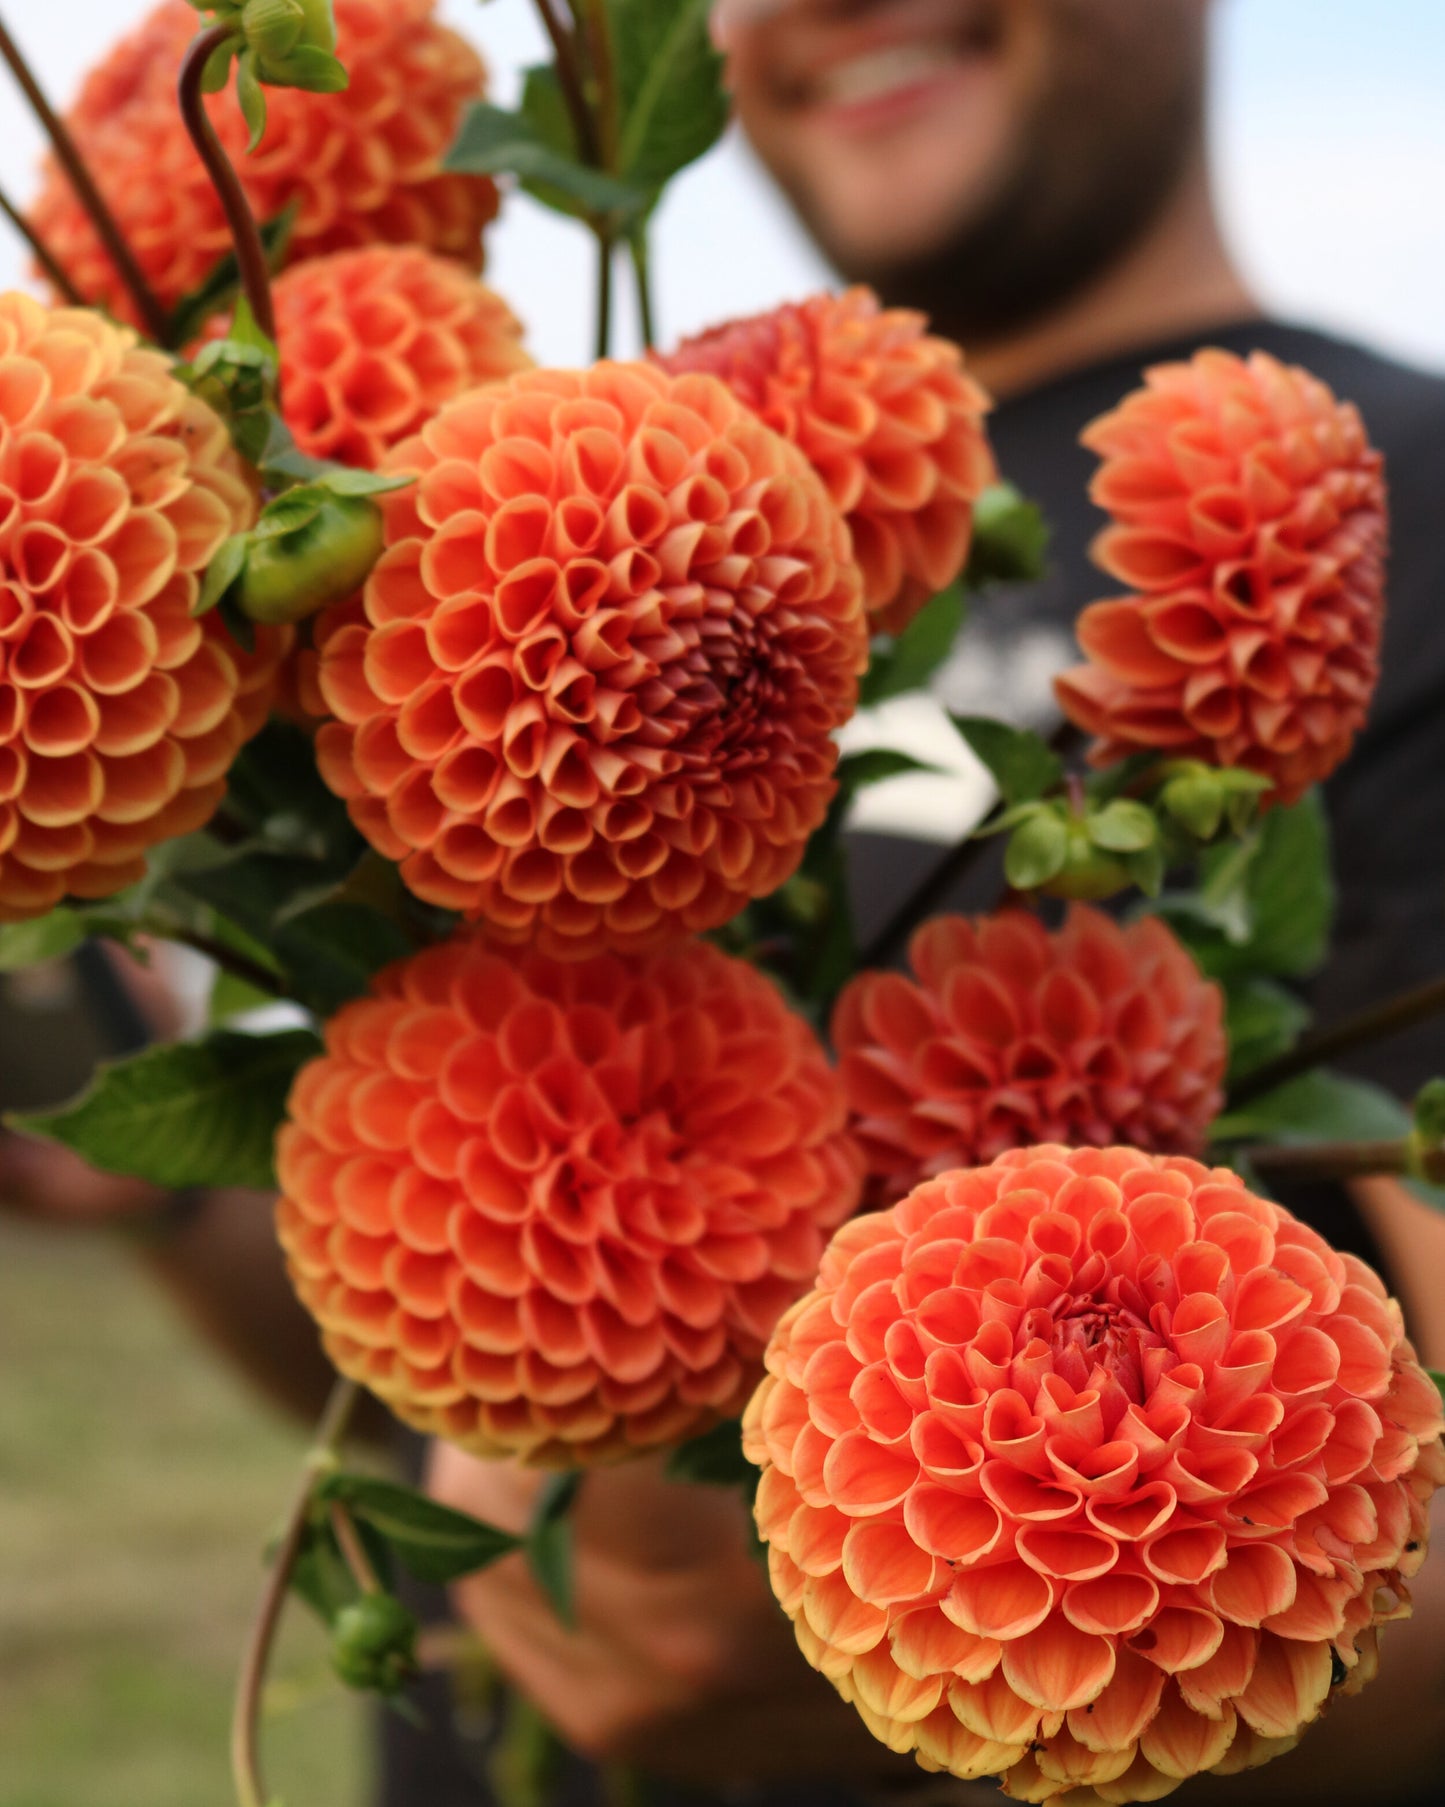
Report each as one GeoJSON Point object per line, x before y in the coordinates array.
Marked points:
{"type": "Point", "coordinates": [1063, 216]}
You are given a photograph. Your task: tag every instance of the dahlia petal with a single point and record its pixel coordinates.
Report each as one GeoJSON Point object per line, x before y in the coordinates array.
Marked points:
{"type": "Point", "coordinates": [1287, 1688]}
{"type": "Point", "coordinates": [1180, 1742]}
{"type": "Point", "coordinates": [1057, 1666]}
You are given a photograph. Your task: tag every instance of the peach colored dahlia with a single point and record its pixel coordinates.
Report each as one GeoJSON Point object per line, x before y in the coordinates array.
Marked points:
{"type": "Point", "coordinates": [590, 692]}
{"type": "Point", "coordinates": [362, 167]}
{"type": "Point", "coordinates": [887, 416]}
{"type": "Point", "coordinates": [119, 714]}
{"type": "Point", "coordinates": [1008, 1035]}
{"type": "Point", "coordinates": [554, 1209]}
{"type": "Point", "coordinates": [373, 341]}
{"type": "Point", "coordinates": [1249, 521]}
{"type": "Point", "coordinates": [1090, 1469]}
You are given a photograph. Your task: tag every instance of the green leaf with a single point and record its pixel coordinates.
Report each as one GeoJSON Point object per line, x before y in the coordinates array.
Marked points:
{"type": "Point", "coordinates": [188, 1114]}
{"type": "Point", "coordinates": [549, 1541]}
{"type": "Point", "coordinates": [715, 1459]}
{"type": "Point", "coordinates": [227, 565]}
{"type": "Point", "coordinates": [1022, 764]}
{"type": "Point", "coordinates": [1196, 803]}
{"type": "Point", "coordinates": [1123, 826]}
{"type": "Point", "coordinates": [48, 937]}
{"type": "Point", "coordinates": [1146, 869]}
{"type": "Point", "coordinates": [907, 662]}
{"type": "Point", "coordinates": [274, 789]}
{"type": "Point", "coordinates": [1262, 1020]}
{"type": "Point", "coordinates": [434, 1542]}
{"type": "Point", "coordinates": [673, 106]}
{"type": "Point", "coordinates": [1439, 1380]}
{"type": "Point", "coordinates": [1036, 851]}
{"type": "Point", "coordinates": [232, 997]}
{"type": "Point", "coordinates": [1010, 539]}
{"type": "Point", "coordinates": [856, 771]}
{"type": "Point", "coordinates": [1317, 1107]}
{"type": "Point", "coordinates": [307, 67]}
{"type": "Point", "coordinates": [252, 98]}
{"type": "Point", "coordinates": [322, 1577]}
{"type": "Point", "coordinates": [494, 142]}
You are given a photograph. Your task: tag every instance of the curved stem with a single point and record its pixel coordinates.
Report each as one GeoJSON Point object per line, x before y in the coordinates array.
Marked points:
{"type": "Point", "coordinates": [245, 1721]}
{"type": "Point", "coordinates": [152, 314]}
{"type": "Point", "coordinates": [245, 235]}
{"type": "Point", "coordinates": [44, 256]}
{"type": "Point", "coordinates": [349, 1542]}
{"type": "Point", "coordinates": [1372, 1024]}
{"type": "Point", "coordinates": [951, 870]}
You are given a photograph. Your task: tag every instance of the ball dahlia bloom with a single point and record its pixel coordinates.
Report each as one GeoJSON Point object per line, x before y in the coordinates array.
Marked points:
{"type": "Point", "coordinates": [1007, 1035]}
{"type": "Point", "coordinates": [360, 167]}
{"type": "Point", "coordinates": [887, 416]}
{"type": "Point", "coordinates": [1249, 523]}
{"type": "Point", "coordinates": [1090, 1469]}
{"type": "Point", "coordinates": [554, 1209]}
{"type": "Point", "coordinates": [119, 714]}
{"type": "Point", "coordinates": [590, 691]}
{"type": "Point", "coordinates": [372, 342]}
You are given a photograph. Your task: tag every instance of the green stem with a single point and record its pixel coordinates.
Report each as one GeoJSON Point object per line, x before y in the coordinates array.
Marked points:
{"type": "Point", "coordinates": [604, 293]}
{"type": "Point", "coordinates": [44, 256]}
{"type": "Point", "coordinates": [569, 80]}
{"type": "Point", "coordinates": [598, 37]}
{"type": "Point", "coordinates": [349, 1542]}
{"type": "Point", "coordinates": [245, 234]}
{"type": "Point", "coordinates": [637, 245]}
{"type": "Point", "coordinates": [1372, 1024]}
{"type": "Point", "coordinates": [246, 1718]}
{"type": "Point", "coordinates": [152, 314]}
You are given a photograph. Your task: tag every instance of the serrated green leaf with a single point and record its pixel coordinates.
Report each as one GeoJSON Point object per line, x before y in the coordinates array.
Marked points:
{"type": "Point", "coordinates": [434, 1542]}
{"type": "Point", "coordinates": [1122, 826]}
{"type": "Point", "coordinates": [1036, 851]}
{"type": "Point", "coordinates": [1287, 894]}
{"type": "Point", "coordinates": [493, 142]}
{"type": "Point", "coordinates": [907, 662]}
{"type": "Point", "coordinates": [1022, 765]}
{"type": "Point", "coordinates": [715, 1459]}
{"type": "Point", "coordinates": [549, 1541]}
{"type": "Point", "coordinates": [1317, 1107]}
{"type": "Point", "coordinates": [1010, 539]}
{"type": "Point", "coordinates": [673, 107]}
{"type": "Point", "coordinates": [187, 1114]}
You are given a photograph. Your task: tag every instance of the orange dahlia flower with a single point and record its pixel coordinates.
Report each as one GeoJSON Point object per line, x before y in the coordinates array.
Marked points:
{"type": "Point", "coordinates": [887, 416]}
{"type": "Point", "coordinates": [1090, 1469]}
{"type": "Point", "coordinates": [590, 692]}
{"type": "Point", "coordinates": [372, 342]}
{"type": "Point", "coordinates": [554, 1209]}
{"type": "Point", "coordinates": [119, 714]}
{"type": "Point", "coordinates": [1007, 1035]}
{"type": "Point", "coordinates": [361, 167]}
{"type": "Point", "coordinates": [1249, 520]}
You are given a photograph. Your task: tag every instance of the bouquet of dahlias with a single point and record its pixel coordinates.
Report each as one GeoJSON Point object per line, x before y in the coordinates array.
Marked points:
{"type": "Point", "coordinates": [488, 715]}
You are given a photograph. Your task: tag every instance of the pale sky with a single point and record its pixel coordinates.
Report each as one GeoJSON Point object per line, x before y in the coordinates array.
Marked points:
{"type": "Point", "coordinates": [1329, 146]}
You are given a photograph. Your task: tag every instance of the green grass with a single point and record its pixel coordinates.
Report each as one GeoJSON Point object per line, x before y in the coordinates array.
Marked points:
{"type": "Point", "coordinates": [138, 1483]}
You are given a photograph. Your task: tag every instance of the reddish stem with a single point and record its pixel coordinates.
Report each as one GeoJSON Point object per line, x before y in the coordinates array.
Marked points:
{"type": "Point", "coordinates": [245, 234]}
{"type": "Point", "coordinates": [152, 314]}
{"type": "Point", "coordinates": [44, 256]}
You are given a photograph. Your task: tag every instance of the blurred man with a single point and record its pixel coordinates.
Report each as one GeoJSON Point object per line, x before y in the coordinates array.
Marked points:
{"type": "Point", "coordinates": [1033, 173]}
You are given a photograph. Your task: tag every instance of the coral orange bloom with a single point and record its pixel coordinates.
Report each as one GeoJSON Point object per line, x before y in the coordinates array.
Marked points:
{"type": "Point", "coordinates": [888, 417]}
{"type": "Point", "coordinates": [1007, 1035]}
{"type": "Point", "coordinates": [119, 714]}
{"type": "Point", "coordinates": [373, 342]}
{"type": "Point", "coordinates": [590, 693]}
{"type": "Point", "coordinates": [1091, 1470]}
{"type": "Point", "coordinates": [1249, 520]}
{"type": "Point", "coordinates": [554, 1209]}
{"type": "Point", "coordinates": [360, 167]}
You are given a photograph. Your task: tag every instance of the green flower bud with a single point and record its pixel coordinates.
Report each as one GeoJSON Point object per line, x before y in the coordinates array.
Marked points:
{"type": "Point", "coordinates": [320, 547]}
{"type": "Point", "coordinates": [1088, 872]}
{"type": "Point", "coordinates": [373, 1644]}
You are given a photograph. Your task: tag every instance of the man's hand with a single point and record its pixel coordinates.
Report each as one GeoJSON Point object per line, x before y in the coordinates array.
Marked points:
{"type": "Point", "coordinates": [681, 1662]}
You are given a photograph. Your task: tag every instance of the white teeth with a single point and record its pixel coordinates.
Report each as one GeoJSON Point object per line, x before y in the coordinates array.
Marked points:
{"type": "Point", "coordinates": [879, 72]}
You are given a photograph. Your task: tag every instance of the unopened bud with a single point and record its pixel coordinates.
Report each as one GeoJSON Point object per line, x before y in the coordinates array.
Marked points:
{"type": "Point", "coordinates": [373, 1644]}
{"type": "Point", "coordinates": [328, 555]}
